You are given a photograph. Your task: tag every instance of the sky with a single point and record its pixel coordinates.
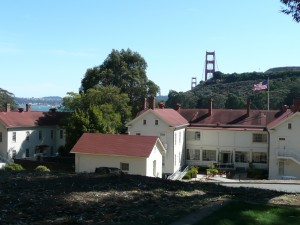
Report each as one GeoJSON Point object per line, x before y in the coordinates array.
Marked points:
{"type": "Point", "coordinates": [47, 46]}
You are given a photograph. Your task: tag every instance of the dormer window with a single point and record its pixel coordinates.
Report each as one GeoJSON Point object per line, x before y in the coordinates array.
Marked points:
{"type": "Point", "coordinates": [144, 122]}
{"type": "Point", "coordinates": [289, 126]}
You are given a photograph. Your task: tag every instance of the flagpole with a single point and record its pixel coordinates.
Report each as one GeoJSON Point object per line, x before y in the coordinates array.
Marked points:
{"type": "Point", "coordinates": [268, 94]}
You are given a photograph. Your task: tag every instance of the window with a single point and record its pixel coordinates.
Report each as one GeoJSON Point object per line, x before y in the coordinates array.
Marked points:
{"type": "Point", "coordinates": [14, 136]}
{"type": "Point", "coordinates": [209, 155]}
{"type": "Point", "coordinates": [137, 133]}
{"type": "Point", "coordinates": [242, 157]}
{"type": "Point", "coordinates": [197, 135]}
{"type": "Point", "coordinates": [40, 135]}
{"type": "Point", "coordinates": [124, 166]}
{"type": "Point", "coordinates": [52, 134]}
{"type": "Point", "coordinates": [27, 152]}
{"type": "Point", "coordinates": [27, 135]}
{"type": "Point", "coordinates": [0, 136]}
{"type": "Point", "coordinates": [144, 122]}
{"type": "Point", "coordinates": [281, 139]}
{"type": "Point", "coordinates": [289, 126]}
{"type": "Point", "coordinates": [259, 157]}
{"type": "Point", "coordinates": [259, 138]}
{"type": "Point", "coordinates": [156, 122]}
{"type": "Point", "coordinates": [61, 134]}
{"type": "Point", "coordinates": [193, 154]}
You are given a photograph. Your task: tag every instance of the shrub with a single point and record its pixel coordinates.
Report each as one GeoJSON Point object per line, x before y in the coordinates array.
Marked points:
{"type": "Point", "coordinates": [42, 169]}
{"type": "Point", "coordinates": [193, 171]}
{"type": "Point", "coordinates": [13, 166]}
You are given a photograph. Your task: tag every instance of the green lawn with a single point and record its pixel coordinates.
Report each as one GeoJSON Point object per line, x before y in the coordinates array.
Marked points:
{"type": "Point", "coordinates": [238, 213]}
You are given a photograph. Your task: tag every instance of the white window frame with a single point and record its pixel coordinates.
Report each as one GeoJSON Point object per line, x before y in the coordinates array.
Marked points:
{"type": "Point", "coordinates": [124, 166]}
{"type": "Point", "coordinates": [259, 138]}
{"type": "Point", "coordinates": [197, 136]}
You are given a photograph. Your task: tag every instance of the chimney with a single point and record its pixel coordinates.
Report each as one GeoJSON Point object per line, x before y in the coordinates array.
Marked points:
{"type": "Point", "coordinates": [7, 107]}
{"type": "Point", "coordinates": [248, 107]}
{"type": "Point", "coordinates": [296, 106]}
{"type": "Point", "coordinates": [210, 107]}
{"type": "Point", "coordinates": [151, 102]}
{"type": "Point", "coordinates": [28, 107]}
{"type": "Point", "coordinates": [178, 106]}
{"type": "Point", "coordinates": [146, 103]}
{"type": "Point", "coordinates": [20, 109]}
{"type": "Point", "coordinates": [161, 105]}
{"type": "Point", "coordinates": [284, 108]}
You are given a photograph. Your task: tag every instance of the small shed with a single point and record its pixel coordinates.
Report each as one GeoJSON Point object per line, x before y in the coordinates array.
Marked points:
{"type": "Point", "coordinates": [133, 154]}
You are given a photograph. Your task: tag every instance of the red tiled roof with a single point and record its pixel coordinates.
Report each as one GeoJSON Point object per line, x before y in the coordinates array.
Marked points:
{"type": "Point", "coordinates": [171, 116]}
{"type": "Point", "coordinates": [114, 144]}
{"type": "Point", "coordinates": [221, 117]}
{"type": "Point", "coordinates": [281, 118]}
{"type": "Point", "coordinates": [29, 119]}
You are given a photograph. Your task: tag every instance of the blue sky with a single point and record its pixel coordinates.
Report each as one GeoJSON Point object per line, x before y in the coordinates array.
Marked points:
{"type": "Point", "coordinates": [47, 46]}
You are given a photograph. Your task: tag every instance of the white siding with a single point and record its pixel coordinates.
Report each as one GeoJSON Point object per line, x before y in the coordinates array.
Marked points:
{"type": "Point", "coordinates": [222, 141]}
{"type": "Point", "coordinates": [88, 163]}
{"type": "Point", "coordinates": [167, 137]}
{"type": "Point", "coordinates": [156, 157]}
{"type": "Point", "coordinates": [285, 142]}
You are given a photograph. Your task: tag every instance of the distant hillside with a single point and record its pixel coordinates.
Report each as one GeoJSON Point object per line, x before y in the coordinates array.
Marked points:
{"type": "Point", "coordinates": [283, 69]}
{"type": "Point", "coordinates": [50, 100]}
{"type": "Point", "coordinates": [232, 90]}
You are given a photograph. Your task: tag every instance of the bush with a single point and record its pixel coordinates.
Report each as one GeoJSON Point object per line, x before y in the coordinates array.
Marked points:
{"type": "Point", "coordinates": [13, 166]}
{"type": "Point", "coordinates": [42, 169]}
{"type": "Point", "coordinates": [192, 173]}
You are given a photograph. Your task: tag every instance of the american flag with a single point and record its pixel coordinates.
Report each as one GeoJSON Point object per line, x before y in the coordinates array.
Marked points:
{"type": "Point", "coordinates": [261, 86]}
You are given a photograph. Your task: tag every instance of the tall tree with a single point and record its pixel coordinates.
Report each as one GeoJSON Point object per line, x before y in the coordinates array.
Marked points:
{"type": "Point", "coordinates": [293, 8]}
{"type": "Point", "coordinates": [126, 70]}
{"type": "Point", "coordinates": [7, 97]}
{"type": "Point", "coordinates": [234, 102]}
{"type": "Point", "coordinates": [100, 110]}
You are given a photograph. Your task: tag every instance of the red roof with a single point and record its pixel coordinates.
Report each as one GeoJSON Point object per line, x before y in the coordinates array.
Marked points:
{"type": "Point", "coordinates": [230, 118]}
{"type": "Point", "coordinates": [29, 119]}
{"type": "Point", "coordinates": [171, 116]}
{"type": "Point", "coordinates": [115, 144]}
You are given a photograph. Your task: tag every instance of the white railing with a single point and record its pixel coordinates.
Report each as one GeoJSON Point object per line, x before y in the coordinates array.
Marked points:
{"type": "Point", "coordinates": [290, 154]}
{"type": "Point", "coordinates": [178, 175]}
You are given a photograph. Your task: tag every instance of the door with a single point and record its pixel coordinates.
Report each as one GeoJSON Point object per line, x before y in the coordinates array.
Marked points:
{"type": "Point", "coordinates": [282, 146]}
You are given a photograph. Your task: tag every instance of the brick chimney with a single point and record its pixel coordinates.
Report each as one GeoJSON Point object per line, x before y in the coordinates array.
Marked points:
{"type": "Point", "coordinates": [210, 107]}
{"type": "Point", "coordinates": [7, 107]}
{"type": "Point", "coordinates": [151, 102]}
{"type": "Point", "coordinates": [161, 105]}
{"type": "Point", "coordinates": [28, 107]}
{"type": "Point", "coordinates": [248, 107]}
{"type": "Point", "coordinates": [296, 106]}
{"type": "Point", "coordinates": [178, 106]}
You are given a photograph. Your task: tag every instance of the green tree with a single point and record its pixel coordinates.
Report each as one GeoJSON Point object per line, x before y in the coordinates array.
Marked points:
{"type": "Point", "coordinates": [100, 110]}
{"type": "Point", "coordinates": [234, 102]}
{"type": "Point", "coordinates": [294, 93]}
{"type": "Point", "coordinates": [126, 70]}
{"type": "Point", "coordinates": [293, 8]}
{"type": "Point", "coordinates": [7, 97]}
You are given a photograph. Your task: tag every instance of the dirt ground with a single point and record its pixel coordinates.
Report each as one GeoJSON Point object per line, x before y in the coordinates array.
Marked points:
{"type": "Point", "coordinates": [66, 198]}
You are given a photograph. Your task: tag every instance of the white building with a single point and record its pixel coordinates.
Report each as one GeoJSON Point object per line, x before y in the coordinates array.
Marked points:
{"type": "Point", "coordinates": [140, 155]}
{"type": "Point", "coordinates": [284, 159]}
{"type": "Point", "coordinates": [167, 124]}
{"type": "Point", "coordinates": [229, 139]}
{"type": "Point", "coordinates": [26, 133]}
